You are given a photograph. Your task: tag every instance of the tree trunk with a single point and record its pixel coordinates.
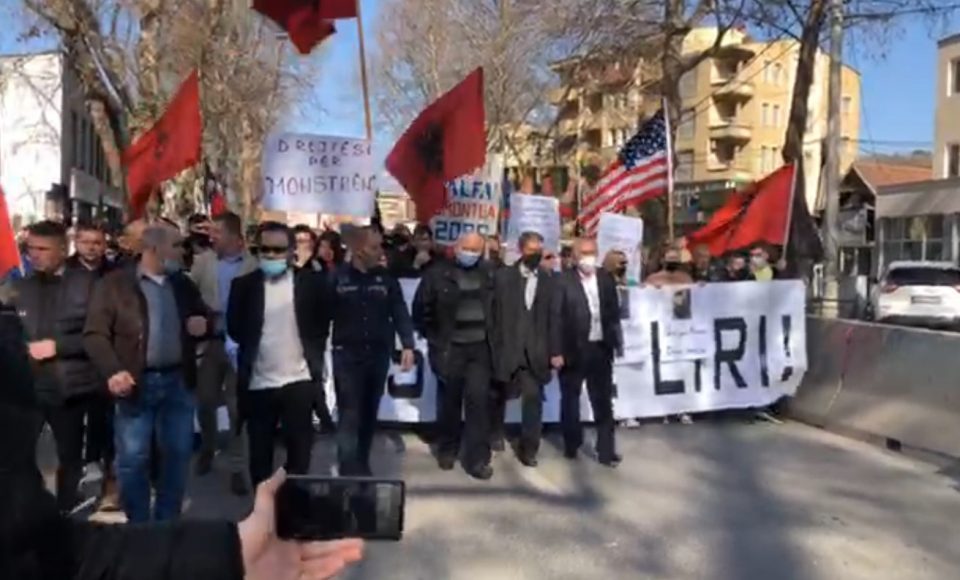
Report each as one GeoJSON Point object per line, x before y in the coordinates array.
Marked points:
{"type": "Point", "coordinates": [806, 67]}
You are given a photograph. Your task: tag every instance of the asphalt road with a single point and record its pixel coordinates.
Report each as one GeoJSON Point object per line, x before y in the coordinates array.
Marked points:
{"type": "Point", "coordinates": [712, 500]}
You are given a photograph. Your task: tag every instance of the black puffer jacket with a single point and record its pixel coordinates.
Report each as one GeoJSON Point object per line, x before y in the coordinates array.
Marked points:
{"type": "Point", "coordinates": [55, 307]}
{"type": "Point", "coordinates": [37, 543]}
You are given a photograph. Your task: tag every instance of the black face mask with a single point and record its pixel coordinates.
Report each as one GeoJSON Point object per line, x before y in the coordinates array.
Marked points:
{"type": "Point", "coordinates": [671, 266]}
{"type": "Point", "coordinates": [621, 271]}
{"type": "Point", "coordinates": [200, 240]}
{"type": "Point", "coordinates": [532, 261]}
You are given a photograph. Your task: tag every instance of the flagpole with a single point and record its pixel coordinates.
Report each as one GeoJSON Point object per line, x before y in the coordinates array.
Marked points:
{"type": "Point", "coordinates": [363, 75]}
{"type": "Point", "coordinates": [666, 120]}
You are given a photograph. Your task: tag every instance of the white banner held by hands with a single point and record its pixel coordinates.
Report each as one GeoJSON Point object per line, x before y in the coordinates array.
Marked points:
{"type": "Point", "coordinates": [623, 233]}
{"type": "Point", "coordinates": [319, 174]}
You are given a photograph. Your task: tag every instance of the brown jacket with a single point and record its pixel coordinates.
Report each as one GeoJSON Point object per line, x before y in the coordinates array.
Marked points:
{"type": "Point", "coordinates": [117, 324]}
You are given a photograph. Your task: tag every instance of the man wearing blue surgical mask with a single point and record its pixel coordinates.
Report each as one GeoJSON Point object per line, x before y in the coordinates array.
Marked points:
{"type": "Point", "coordinates": [273, 315]}
{"type": "Point", "coordinates": [453, 310]}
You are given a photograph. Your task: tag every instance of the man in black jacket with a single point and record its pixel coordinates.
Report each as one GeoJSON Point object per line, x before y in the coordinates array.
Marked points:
{"type": "Point", "coordinates": [274, 317]}
{"type": "Point", "coordinates": [366, 306]}
{"type": "Point", "coordinates": [453, 310]}
{"type": "Point", "coordinates": [585, 337]}
{"type": "Point", "coordinates": [522, 327]}
{"type": "Point", "coordinates": [90, 240]}
{"type": "Point", "coordinates": [52, 301]}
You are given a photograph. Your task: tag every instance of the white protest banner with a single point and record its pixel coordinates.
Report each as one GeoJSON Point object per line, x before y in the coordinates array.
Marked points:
{"type": "Point", "coordinates": [623, 233]}
{"type": "Point", "coordinates": [757, 354]}
{"type": "Point", "coordinates": [534, 213]}
{"type": "Point", "coordinates": [473, 204]}
{"type": "Point", "coordinates": [319, 174]}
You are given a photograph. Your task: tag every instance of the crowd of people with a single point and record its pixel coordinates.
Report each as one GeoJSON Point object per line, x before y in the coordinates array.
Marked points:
{"type": "Point", "coordinates": [127, 348]}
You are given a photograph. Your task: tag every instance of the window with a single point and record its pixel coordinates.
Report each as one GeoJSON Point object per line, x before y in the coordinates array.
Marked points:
{"type": "Point", "coordinates": [688, 125]}
{"type": "Point", "coordinates": [952, 165]}
{"type": "Point", "coordinates": [954, 77]}
{"type": "Point", "coordinates": [776, 115]}
{"type": "Point", "coordinates": [765, 115]}
{"type": "Point", "coordinates": [913, 238]}
{"type": "Point", "coordinates": [777, 73]}
{"type": "Point", "coordinates": [684, 170]}
{"type": "Point", "coordinates": [847, 105]}
{"type": "Point", "coordinates": [767, 71]}
{"type": "Point", "coordinates": [688, 84]}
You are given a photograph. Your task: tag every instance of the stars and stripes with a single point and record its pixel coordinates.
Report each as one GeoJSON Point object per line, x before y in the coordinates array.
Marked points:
{"type": "Point", "coordinates": [642, 171]}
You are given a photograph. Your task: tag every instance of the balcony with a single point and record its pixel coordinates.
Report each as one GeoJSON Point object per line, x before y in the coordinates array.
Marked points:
{"type": "Point", "coordinates": [730, 130]}
{"type": "Point", "coordinates": [731, 88]}
{"type": "Point", "coordinates": [731, 169]}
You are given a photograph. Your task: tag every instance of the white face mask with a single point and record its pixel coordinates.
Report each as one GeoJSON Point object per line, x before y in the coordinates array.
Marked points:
{"type": "Point", "coordinates": [587, 264]}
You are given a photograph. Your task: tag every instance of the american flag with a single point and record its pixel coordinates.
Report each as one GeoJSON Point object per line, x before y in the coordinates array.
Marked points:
{"type": "Point", "coordinates": [641, 172]}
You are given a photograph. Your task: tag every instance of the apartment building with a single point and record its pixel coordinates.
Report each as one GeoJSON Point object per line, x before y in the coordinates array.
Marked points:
{"type": "Point", "coordinates": [736, 107]}
{"type": "Point", "coordinates": [51, 160]}
{"type": "Point", "coordinates": [946, 152]}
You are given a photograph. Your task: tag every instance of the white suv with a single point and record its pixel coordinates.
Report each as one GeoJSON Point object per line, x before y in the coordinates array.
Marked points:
{"type": "Point", "coordinates": [923, 293]}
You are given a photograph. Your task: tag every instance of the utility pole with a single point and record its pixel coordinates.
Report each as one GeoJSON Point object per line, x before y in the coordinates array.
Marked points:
{"type": "Point", "coordinates": [831, 179]}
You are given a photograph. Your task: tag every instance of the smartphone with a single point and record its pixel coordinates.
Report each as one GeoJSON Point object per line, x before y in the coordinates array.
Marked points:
{"type": "Point", "coordinates": [330, 508]}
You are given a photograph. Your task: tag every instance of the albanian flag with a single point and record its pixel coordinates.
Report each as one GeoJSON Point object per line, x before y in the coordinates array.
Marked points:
{"type": "Point", "coordinates": [447, 140]}
{"type": "Point", "coordinates": [170, 146]}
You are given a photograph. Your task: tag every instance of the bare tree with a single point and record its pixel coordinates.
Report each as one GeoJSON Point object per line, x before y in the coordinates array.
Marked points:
{"type": "Point", "coordinates": [130, 56]}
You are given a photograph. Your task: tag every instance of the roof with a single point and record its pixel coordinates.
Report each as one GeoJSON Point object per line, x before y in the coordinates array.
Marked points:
{"type": "Point", "coordinates": [952, 39]}
{"type": "Point", "coordinates": [921, 264]}
{"type": "Point", "coordinates": [877, 175]}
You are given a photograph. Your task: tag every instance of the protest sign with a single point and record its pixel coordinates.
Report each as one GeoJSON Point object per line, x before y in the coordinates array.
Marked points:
{"type": "Point", "coordinates": [473, 204]}
{"type": "Point", "coordinates": [747, 349]}
{"type": "Point", "coordinates": [623, 233]}
{"type": "Point", "coordinates": [534, 213]}
{"type": "Point", "coordinates": [319, 174]}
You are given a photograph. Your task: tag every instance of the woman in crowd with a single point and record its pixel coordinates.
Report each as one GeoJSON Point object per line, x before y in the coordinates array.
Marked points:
{"type": "Point", "coordinates": [38, 543]}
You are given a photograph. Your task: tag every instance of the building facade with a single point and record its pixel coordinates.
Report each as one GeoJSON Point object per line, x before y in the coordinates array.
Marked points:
{"type": "Point", "coordinates": [946, 151]}
{"type": "Point", "coordinates": [51, 161]}
{"type": "Point", "coordinates": [736, 107]}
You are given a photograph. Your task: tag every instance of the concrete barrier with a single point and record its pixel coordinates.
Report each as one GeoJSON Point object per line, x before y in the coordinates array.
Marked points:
{"type": "Point", "coordinates": [894, 383]}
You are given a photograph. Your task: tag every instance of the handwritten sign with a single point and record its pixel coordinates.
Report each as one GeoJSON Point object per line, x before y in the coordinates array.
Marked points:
{"type": "Point", "coordinates": [534, 213]}
{"type": "Point", "coordinates": [686, 340]}
{"type": "Point", "coordinates": [473, 204]}
{"type": "Point", "coordinates": [623, 233]}
{"type": "Point", "coordinates": [319, 174]}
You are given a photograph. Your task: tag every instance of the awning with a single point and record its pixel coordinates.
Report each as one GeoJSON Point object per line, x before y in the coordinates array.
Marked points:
{"type": "Point", "coordinates": [938, 197]}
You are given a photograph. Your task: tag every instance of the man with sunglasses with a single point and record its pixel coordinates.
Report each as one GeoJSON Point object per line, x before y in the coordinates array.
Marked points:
{"type": "Point", "coordinates": [141, 333]}
{"type": "Point", "coordinates": [273, 315]}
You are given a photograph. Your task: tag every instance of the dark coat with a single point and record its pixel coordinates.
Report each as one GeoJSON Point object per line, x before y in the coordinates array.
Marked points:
{"type": "Point", "coordinates": [245, 322]}
{"type": "Point", "coordinates": [435, 309]}
{"type": "Point", "coordinates": [508, 311]}
{"type": "Point", "coordinates": [37, 543]}
{"type": "Point", "coordinates": [571, 314]}
{"type": "Point", "coordinates": [117, 326]}
{"type": "Point", "coordinates": [74, 263]}
{"type": "Point", "coordinates": [70, 372]}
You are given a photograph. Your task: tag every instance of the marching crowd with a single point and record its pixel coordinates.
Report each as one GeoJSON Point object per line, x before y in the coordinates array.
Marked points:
{"type": "Point", "coordinates": [127, 347]}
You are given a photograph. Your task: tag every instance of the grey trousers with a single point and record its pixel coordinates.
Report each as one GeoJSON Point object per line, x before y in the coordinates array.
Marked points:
{"type": "Point", "coordinates": [217, 385]}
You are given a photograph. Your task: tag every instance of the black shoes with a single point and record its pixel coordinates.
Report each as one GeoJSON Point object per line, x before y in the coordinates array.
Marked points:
{"type": "Point", "coordinates": [612, 462]}
{"type": "Point", "coordinates": [446, 462]}
{"type": "Point", "coordinates": [483, 473]}
{"type": "Point", "coordinates": [528, 460]}
{"type": "Point", "coordinates": [571, 454]}
{"type": "Point", "coordinates": [497, 445]}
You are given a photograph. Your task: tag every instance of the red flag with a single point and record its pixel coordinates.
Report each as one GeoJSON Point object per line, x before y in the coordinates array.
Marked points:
{"type": "Point", "coordinates": [170, 146]}
{"type": "Point", "coordinates": [334, 9]}
{"type": "Point", "coordinates": [759, 213]}
{"type": "Point", "coordinates": [447, 140]}
{"type": "Point", "coordinates": [9, 253]}
{"type": "Point", "coordinates": [303, 20]}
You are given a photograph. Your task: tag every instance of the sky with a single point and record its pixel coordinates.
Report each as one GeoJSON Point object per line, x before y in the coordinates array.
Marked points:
{"type": "Point", "coordinates": [898, 84]}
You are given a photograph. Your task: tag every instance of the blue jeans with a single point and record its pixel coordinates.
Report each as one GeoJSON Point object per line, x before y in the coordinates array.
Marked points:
{"type": "Point", "coordinates": [161, 405]}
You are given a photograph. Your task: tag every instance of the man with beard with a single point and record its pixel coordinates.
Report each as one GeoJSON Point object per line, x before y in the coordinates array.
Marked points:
{"type": "Point", "coordinates": [522, 326]}
{"type": "Point", "coordinates": [453, 310]}
{"type": "Point", "coordinates": [368, 313]}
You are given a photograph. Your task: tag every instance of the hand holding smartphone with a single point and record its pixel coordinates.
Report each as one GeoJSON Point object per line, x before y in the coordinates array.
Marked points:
{"type": "Point", "coordinates": [313, 508]}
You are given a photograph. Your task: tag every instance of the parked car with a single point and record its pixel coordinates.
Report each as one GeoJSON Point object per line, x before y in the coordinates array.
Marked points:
{"type": "Point", "coordinates": [918, 293]}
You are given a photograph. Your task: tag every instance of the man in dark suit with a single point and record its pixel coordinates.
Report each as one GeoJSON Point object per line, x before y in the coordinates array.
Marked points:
{"type": "Point", "coordinates": [522, 326]}
{"type": "Point", "coordinates": [585, 337]}
{"type": "Point", "coordinates": [273, 315]}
